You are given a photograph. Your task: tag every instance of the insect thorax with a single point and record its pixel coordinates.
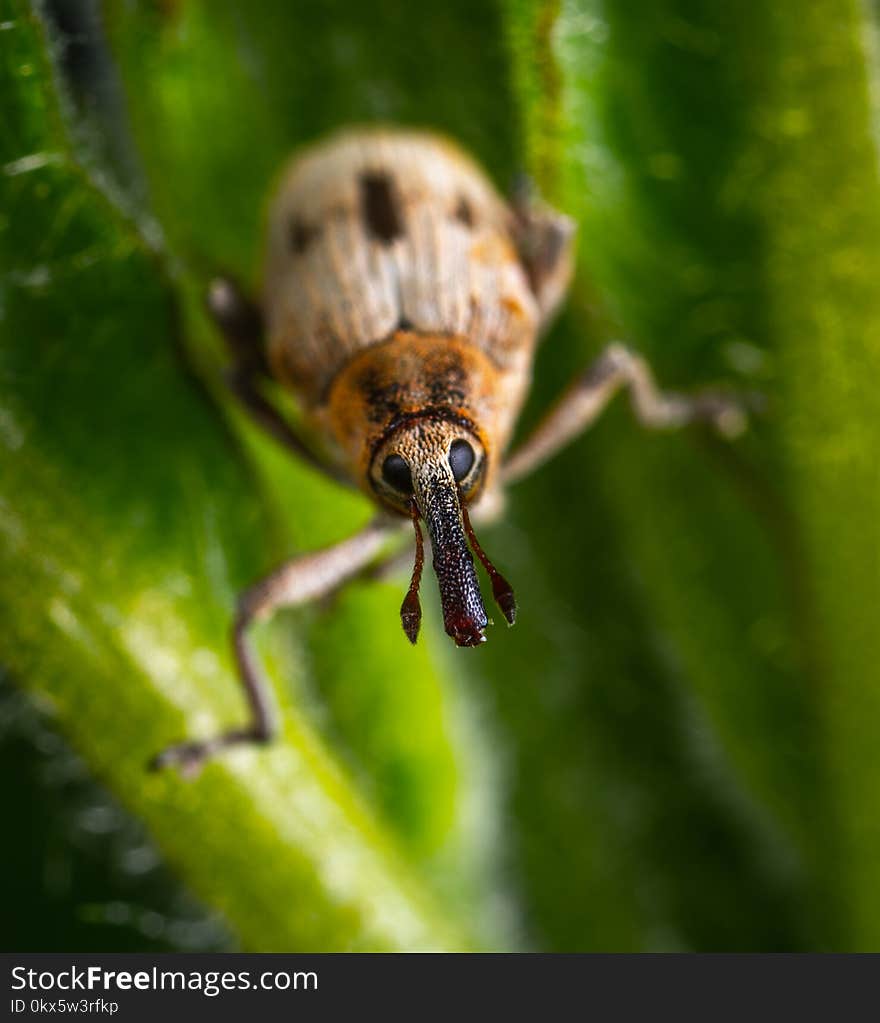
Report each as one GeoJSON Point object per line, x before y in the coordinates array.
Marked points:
{"type": "Point", "coordinates": [409, 377]}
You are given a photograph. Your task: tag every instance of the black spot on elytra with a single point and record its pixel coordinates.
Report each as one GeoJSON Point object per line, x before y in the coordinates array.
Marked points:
{"type": "Point", "coordinates": [463, 212]}
{"type": "Point", "coordinates": [380, 207]}
{"type": "Point", "coordinates": [301, 235]}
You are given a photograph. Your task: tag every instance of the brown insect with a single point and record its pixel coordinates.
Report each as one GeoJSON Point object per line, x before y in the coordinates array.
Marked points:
{"type": "Point", "coordinates": [402, 303]}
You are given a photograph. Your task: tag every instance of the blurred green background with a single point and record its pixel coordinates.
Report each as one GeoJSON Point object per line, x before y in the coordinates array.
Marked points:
{"type": "Point", "coordinates": [675, 747]}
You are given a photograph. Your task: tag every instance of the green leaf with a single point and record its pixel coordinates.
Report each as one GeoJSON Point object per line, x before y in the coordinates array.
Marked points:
{"type": "Point", "coordinates": [820, 205]}
{"type": "Point", "coordinates": [721, 160]}
{"type": "Point", "coordinates": [673, 749]}
{"type": "Point", "coordinates": [191, 67]}
{"type": "Point", "coordinates": [128, 521]}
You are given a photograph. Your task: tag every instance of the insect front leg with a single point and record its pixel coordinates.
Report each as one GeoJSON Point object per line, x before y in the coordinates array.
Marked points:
{"type": "Point", "coordinates": [241, 323]}
{"type": "Point", "coordinates": [586, 398]}
{"type": "Point", "coordinates": [298, 581]}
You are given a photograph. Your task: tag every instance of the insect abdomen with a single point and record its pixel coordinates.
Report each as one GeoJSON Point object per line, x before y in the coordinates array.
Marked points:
{"type": "Point", "coordinates": [378, 231]}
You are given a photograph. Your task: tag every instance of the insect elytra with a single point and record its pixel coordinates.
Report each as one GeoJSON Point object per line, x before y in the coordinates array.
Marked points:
{"type": "Point", "coordinates": [402, 302]}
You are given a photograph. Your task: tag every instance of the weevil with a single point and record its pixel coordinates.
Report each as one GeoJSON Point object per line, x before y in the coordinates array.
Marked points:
{"type": "Point", "coordinates": [402, 302]}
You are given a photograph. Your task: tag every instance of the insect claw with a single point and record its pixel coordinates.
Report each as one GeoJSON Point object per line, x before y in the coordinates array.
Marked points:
{"type": "Point", "coordinates": [727, 414]}
{"type": "Point", "coordinates": [188, 758]}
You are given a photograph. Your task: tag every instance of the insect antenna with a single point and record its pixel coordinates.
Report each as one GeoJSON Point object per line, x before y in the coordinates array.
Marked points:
{"type": "Point", "coordinates": [411, 609]}
{"type": "Point", "coordinates": [502, 591]}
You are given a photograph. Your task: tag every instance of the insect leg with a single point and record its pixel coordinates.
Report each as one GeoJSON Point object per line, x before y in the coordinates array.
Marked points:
{"type": "Point", "coordinates": [298, 581]}
{"type": "Point", "coordinates": [586, 398]}
{"type": "Point", "coordinates": [242, 325]}
{"type": "Point", "coordinates": [545, 239]}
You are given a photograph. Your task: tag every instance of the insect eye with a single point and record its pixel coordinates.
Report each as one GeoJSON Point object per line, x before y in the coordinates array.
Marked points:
{"type": "Point", "coordinates": [395, 472]}
{"type": "Point", "coordinates": [461, 459]}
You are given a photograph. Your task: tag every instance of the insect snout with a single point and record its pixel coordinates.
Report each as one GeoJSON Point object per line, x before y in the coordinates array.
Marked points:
{"type": "Point", "coordinates": [433, 470]}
